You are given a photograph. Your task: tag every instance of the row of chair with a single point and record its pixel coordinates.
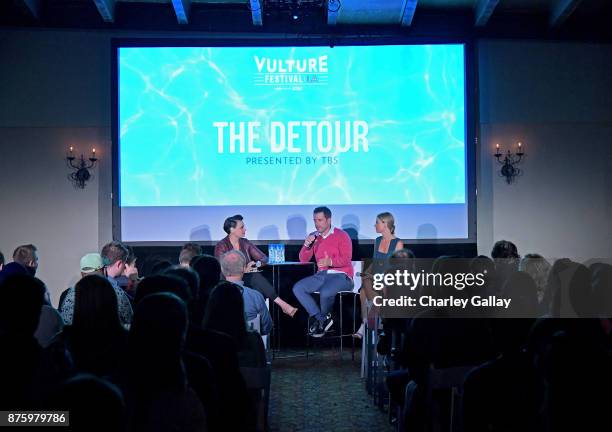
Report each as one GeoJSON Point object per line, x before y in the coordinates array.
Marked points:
{"type": "Point", "coordinates": [258, 379]}
{"type": "Point", "coordinates": [439, 413]}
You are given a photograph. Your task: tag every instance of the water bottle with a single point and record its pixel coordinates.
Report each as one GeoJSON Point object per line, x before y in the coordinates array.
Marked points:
{"type": "Point", "coordinates": [281, 253]}
{"type": "Point", "coordinates": [272, 253]}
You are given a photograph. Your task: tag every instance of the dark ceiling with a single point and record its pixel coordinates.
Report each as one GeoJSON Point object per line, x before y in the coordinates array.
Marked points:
{"type": "Point", "coordinates": [549, 19]}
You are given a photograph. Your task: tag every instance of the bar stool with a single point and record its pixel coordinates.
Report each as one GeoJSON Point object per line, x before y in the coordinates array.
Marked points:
{"type": "Point", "coordinates": [342, 334]}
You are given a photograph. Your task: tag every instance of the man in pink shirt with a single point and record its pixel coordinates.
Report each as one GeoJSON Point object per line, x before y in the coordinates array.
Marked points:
{"type": "Point", "coordinates": [332, 250]}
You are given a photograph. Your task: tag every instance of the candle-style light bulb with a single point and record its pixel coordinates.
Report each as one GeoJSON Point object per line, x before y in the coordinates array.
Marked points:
{"type": "Point", "coordinates": [93, 153]}
{"type": "Point", "coordinates": [71, 149]}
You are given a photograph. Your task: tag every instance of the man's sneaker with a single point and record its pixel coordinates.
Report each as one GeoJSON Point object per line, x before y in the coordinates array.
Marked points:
{"type": "Point", "coordinates": [327, 323]}
{"type": "Point", "coordinates": [319, 332]}
{"type": "Point", "coordinates": [314, 326]}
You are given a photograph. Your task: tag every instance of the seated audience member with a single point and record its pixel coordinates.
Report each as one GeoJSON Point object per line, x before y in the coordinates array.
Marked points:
{"type": "Point", "coordinates": [502, 394]}
{"type": "Point", "coordinates": [129, 278]}
{"type": "Point", "coordinates": [219, 349]}
{"type": "Point", "coordinates": [28, 374]}
{"type": "Point", "coordinates": [188, 252]}
{"type": "Point", "coordinates": [486, 266]}
{"type": "Point", "coordinates": [232, 266]}
{"type": "Point", "coordinates": [13, 268]}
{"type": "Point", "coordinates": [333, 250]}
{"type": "Point", "coordinates": [27, 256]}
{"type": "Point", "coordinates": [191, 278]}
{"type": "Point", "coordinates": [446, 341]}
{"type": "Point", "coordinates": [522, 290]}
{"type": "Point", "coordinates": [568, 290]}
{"type": "Point", "coordinates": [601, 283]}
{"type": "Point", "coordinates": [163, 283]}
{"type": "Point", "coordinates": [114, 256]}
{"type": "Point", "coordinates": [209, 271]}
{"type": "Point", "coordinates": [90, 263]}
{"type": "Point", "coordinates": [199, 370]}
{"type": "Point", "coordinates": [50, 322]}
{"type": "Point", "coordinates": [506, 257]}
{"type": "Point", "coordinates": [25, 261]}
{"type": "Point", "coordinates": [160, 266]}
{"type": "Point", "coordinates": [504, 249]}
{"type": "Point", "coordinates": [401, 259]}
{"type": "Point", "coordinates": [577, 381]}
{"type": "Point", "coordinates": [538, 268]}
{"type": "Point", "coordinates": [158, 395]}
{"type": "Point", "coordinates": [96, 339]}
{"type": "Point", "coordinates": [579, 300]}
{"type": "Point", "coordinates": [560, 271]}
{"type": "Point", "coordinates": [225, 313]}
{"type": "Point", "coordinates": [87, 396]}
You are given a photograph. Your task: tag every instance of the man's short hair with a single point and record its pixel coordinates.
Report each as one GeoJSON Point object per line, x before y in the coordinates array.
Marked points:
{"type": "Point", "coordinates": [324, 210]}
{"type": "Point", "coordinates": [504, 249]}
{"type": "Point", "coordinates": [24, 254]}
{"type": "Point", "coordinates": [233, 263]}
{"type": "Point", "coordinates": [113, 252]}
{"type": "Point", "coordinates": [231, 222]}
{"type": "Point", "coordinates": [188, 251]}
{"type": "Point", "coordinates": [131, 258]}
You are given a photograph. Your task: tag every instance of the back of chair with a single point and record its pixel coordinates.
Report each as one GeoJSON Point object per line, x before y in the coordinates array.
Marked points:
{"type": "Point", "coordinates": [256, 378]}
{"type": "Point", "coordinates": [448, 378]}
{"type": "Point", "coordinates": [258, 382]}
{"type": "Point", "coordinates": [451, 378]}
{"type": "Point", "coordinates": [255, 325]}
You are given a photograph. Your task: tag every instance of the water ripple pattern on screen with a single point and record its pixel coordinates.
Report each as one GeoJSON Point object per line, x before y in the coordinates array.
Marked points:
{"type": "Point", "coordinates": [292, 125]}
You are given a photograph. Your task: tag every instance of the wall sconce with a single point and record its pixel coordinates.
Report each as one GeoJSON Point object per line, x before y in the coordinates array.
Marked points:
{"type": "Point", "coordinates": [508, 169]}
{"type": "Point", "coordinates": [81, 175]}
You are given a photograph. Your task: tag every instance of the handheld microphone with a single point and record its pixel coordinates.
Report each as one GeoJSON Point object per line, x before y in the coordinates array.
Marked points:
{"type": "Point", "coordinates": [363, 275]}
{"type": "Point", "coordinates": [316, 234]}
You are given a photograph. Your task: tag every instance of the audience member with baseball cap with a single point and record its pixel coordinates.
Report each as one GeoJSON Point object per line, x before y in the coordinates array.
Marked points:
{"type": "Point", "coordinates": [114, 256]}
{"type": "Point", "coordinates": [91, 263]}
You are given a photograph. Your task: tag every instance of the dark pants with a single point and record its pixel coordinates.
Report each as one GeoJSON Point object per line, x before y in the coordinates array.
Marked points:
{"type": "Point", "coordinates": [328, 285]}
{"type": "Point", "coordinates": [261, 284]}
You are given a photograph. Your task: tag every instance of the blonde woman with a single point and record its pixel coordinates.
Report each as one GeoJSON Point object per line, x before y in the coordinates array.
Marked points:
{"type": "Point", "coordinates": [384, 246]}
